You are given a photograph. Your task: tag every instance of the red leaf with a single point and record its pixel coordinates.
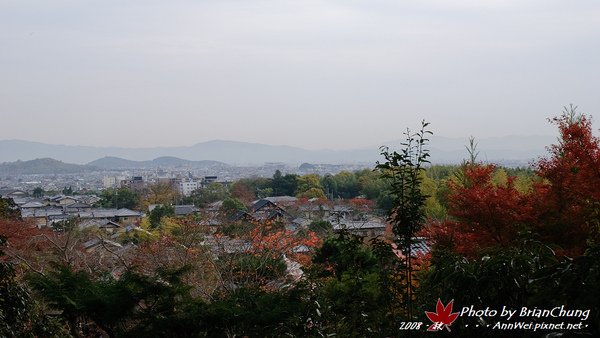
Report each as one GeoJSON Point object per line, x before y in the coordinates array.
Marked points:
{"type": "Point", "coordinates": [442, 317]}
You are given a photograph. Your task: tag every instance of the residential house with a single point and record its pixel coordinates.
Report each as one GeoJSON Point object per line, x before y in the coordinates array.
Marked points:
{"type": "Point", "coordinates": [264, 210]}
{"type": "Point", "coordinates": [62, 200]}
{"type": "Point", "coordinates": [185, 210]}
{"type": "Point", "coordinates": [12, 193]}
{"type": "Point", "coordinates": [369, 228]}
{"type": "Point", "coordinates": [49, 215]}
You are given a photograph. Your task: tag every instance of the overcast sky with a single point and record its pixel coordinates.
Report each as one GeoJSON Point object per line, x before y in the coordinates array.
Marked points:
{"type": "Point", "coordinates": [314, 74]}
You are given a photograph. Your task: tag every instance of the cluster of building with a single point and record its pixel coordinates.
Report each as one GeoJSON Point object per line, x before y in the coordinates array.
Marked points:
{"type": "Point", "coordinates": [47, 211]}
{"type": "Point", "coordinates": [299, 214]}
{"type": "Point", "coordinates": [293, 213]}
{"type": "Point", "coordinates": [183, 184]}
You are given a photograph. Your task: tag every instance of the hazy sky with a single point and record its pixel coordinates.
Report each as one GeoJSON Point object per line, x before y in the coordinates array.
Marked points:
{"type": "Point", "coordinates": [313, 74]}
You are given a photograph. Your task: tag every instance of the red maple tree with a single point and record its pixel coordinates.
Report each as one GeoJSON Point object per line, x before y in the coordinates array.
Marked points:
{"type": "Point", "coordinates": [567, 200]}
{"type": "Point", "coordinates": [484, 214]}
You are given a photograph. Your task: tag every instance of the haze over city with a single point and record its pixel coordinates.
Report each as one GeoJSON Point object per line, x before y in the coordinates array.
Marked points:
{"type": "Point", "coordinates": [310, 74]}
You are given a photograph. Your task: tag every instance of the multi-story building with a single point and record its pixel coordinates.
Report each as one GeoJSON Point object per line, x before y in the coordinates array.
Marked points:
{"type": "Point", "coordinates": [109, 182]}
{"type": "Point", "coordinates": [187, 187]}
{"type": "Point", "coordinates": [136, 183]}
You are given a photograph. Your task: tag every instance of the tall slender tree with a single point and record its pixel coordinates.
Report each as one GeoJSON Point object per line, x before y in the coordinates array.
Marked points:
{"type": "Point", "coordinates": [404, 170]}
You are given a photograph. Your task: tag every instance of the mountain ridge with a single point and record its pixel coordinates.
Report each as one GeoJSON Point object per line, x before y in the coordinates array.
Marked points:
{"type": "Point", "coordinates": [44, 165]}
{"type": "Point", "coordinates": [443, 150]}
{"type": "Point", "coordinates": [112, 162]}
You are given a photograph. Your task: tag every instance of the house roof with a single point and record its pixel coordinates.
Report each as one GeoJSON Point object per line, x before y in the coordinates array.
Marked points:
{"type": "Point", "coordinates": [79, 205]}
{"type": "Point", "coordinates": [278, 213]}
{"type": "Point", "coordinates": [318, 207]}
{"type": "Point", "coordinates": [73, 212]}
{"type": "Point", "coordinates": [8, 192]}
{"type": "Point", "coordinates": [182, 210]}
{"type": "Point", "coordinates": [282, 199]}
{"type": "Point", "coordinates": [420, 247]}
{"type": "Point", "coordinates": [98, 241]}
{"type": "Point", "coordinates": [33, 204]}
{"type": "Point", "coordinates": [240, 215]}
{"type": "Point", "coordinates": [52, 219]}
{"type": "Point", "coordinates": [124, 212]}
{"type": "Point", "coordinates": [62, 197]}
{"type": "Point", "coordinates": [261, 204]}
{"type": "Point", "coordinates": [41, 212]}
{"type": "Point", "coordinates": [109, 213]}
{"type": "Point", "coordinates": [342, 208]}
{"type": "Point", "coordinates": [226, 245]}
{"type": "Point", "coordinates": [89, 199]}
{"type": "Point", "coordinates": [99, 223]}
{"type": "Point", "coordinates": [358, 225]}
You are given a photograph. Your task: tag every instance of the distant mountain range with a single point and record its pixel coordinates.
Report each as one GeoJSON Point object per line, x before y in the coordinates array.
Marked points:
{"type": "Point", "coordinates": [52, 166]}
{"type": "Point", "coordinates": [43, 166]}
{"type": "Point", "coordinates": [110, 162]}
{"type": "Point", "coordinates": [519, 149]}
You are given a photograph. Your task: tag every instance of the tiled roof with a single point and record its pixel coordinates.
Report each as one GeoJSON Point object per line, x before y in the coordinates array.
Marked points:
{"type": "Point", "coordinates": [357, 225]}
{"type": "Point", "coordinates": [123, 212]}
{"type": "Point", "coordinates": [260, 204]}
{"type": "Point", "coordinates": [33, 204]}
{"type": "Point", "coordinates": [182, 210]}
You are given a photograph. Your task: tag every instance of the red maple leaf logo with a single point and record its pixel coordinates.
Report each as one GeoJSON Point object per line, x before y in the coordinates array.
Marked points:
{"type": "Point", "coordinates": [442, 317]}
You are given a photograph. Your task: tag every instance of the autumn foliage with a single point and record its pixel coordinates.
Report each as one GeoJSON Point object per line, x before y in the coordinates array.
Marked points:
{"type": "Point", "coordinates": [567, 200]}
{"type": "Point", "coordinates": [561, 208]}
{"type": "Point", "coordinates": [484, 214]}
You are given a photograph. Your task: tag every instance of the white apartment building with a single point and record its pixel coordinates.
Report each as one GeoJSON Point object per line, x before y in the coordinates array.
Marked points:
{"type": "Point", "coordinates": [186, 187]}
{"type": "Point", "coordinates": [109, 182]}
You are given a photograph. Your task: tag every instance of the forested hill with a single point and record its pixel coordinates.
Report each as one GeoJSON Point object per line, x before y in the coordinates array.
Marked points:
{"type": "Point", "coordinates": [110, 162]}
{"type": "Point", "coordinates": [43, 166]}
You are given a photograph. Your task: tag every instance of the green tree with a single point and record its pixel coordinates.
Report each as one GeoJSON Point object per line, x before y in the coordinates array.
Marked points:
{"type": "Point", "coordinates": [321, 227]}
{"type": "Point", "coordinates": [405, 172]}
{"type": "Point", "coordinates": [312, 193]}
{"type": "Point", "coordinates": [329, 186]}
{"type": "Point", "coordinates": [370, 184]}
{"type": "Point", "coordinates": [353, 297]}
{"type": "Point", "coordinates": [284, 185]}
{"type": "Point", "coordinates": [504, 277]}
{"type": "Point", "coordinates": [158, 213]}
{"type": "Point", "coordinates": [433, 208]}
{"type": "Point", "coordinates": [213, 192]}
{"type": "Point", "coordinates": [20, 315]}
{"type": "Point", "coordinates": [119, 198]}
{"type": "Point", "coordinates": [347, 185]}
{"type": "Point", "coordinates": [38, 192]}
{"type": "Point", "coordinates": [231, 206]}
{"type": "Point", "coordinates": [8, 209]}
{"type": "Point", "coordinates": [159, 193]}
{"type": "Point", "coordinates": [309, 182]}
{"type": "Point", "coordinates": [132, 305]}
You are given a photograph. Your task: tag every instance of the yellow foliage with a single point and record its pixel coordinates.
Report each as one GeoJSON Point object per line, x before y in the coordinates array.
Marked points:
{"type": "Point", "coordinates": [500, 177]}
